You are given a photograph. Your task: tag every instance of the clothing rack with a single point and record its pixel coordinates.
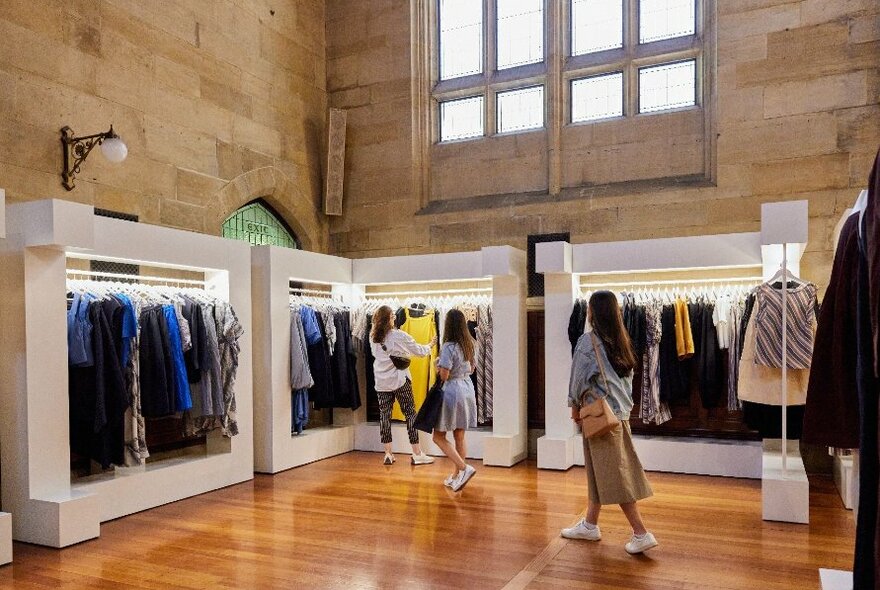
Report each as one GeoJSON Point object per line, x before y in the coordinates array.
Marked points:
{"type": "Point", "coordinates": [707, 282]}
{"type": "Point", "coordinates": [439, 292]}
{"type": "Point", "coordinates": [73, 273]}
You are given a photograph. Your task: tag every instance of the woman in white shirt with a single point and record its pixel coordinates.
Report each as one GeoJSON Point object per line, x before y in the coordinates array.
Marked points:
{"type": "Point", "coordinates": [393, 383]}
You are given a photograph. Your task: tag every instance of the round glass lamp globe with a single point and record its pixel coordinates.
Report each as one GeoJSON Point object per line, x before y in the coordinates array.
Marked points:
{"type": "Point", "coordinates": [114, 149]}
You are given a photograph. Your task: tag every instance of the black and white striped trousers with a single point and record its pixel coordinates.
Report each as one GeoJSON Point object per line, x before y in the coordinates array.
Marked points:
{"type": "Point", "coordinates": [404, 396]}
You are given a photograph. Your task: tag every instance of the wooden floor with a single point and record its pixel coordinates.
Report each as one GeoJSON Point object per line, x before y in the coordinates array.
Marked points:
{"type": "Point", "coordinates": [350, 522]}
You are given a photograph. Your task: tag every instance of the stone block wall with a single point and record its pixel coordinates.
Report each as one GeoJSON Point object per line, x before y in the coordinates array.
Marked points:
{"type": "Point", "coordinates": [796, 117]}
{"type": "Point", "coordinates": [219, 101]}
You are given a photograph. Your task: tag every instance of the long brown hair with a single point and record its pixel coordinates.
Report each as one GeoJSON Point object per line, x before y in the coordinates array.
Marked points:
{"type": "Point", "coordinates": [455, 330]}
{"type": "Point", "coordinates": [382, 324]}
{"type": "Point", "coordinates": [607, 322]}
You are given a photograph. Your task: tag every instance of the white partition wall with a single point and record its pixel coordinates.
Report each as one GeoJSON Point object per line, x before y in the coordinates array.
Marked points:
{"type": "Point", "coordinates": [275, 448]}
{"type": "Point", "coordinates": [35, 454]}
{"type": "Point", "coordinates": [507, 443]}
{"type": "Point", "coordinates": [562, 265]}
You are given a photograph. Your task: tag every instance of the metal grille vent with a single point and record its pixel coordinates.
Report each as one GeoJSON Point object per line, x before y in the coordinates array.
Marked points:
{"type": "Point", "coordinates": [536, 280]}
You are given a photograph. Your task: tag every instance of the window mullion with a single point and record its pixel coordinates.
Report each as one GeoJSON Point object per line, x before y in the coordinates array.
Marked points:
{"type": "Point", "coordinates": [490, 27]}
{"type": "Point", "coordinates": [631, 39]}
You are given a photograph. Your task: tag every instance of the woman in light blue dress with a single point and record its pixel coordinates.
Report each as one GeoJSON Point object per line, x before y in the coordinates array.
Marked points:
{"type": "Point", "coordinates": [459, 409]}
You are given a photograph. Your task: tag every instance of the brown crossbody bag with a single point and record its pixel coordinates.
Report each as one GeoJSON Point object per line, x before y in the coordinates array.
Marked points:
{"type": "Point", "coordinates": [597, 417]}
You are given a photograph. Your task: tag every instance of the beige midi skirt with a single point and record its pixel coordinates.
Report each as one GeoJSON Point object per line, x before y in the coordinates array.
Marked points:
{"type": "Point", "coordinates": [614, 472]}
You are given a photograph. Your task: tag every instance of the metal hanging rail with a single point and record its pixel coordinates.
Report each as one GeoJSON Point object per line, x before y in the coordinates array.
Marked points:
{"type": "Point", "coordinates": [136, 278]}
{"type": "Point", "coordinates": [708, 282]}
{"type": "Point", "coordinates": [313, 292]}
{"type": "Point", "coordinates": [441, 293]}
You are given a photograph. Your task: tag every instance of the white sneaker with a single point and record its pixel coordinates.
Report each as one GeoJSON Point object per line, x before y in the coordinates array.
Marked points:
{"type": "Point", "coordinates": [641, 544]}
{"type": "Point", "coordinates": [422, 459]}
{"type": "Point", "coordinates": [450, 479]}
{"type": "Point", "coordinates": [463, 477]}
{"type": "Point", "coordinates": [583, 531]}
{"type": "Point", "coordinates": [389, 459]}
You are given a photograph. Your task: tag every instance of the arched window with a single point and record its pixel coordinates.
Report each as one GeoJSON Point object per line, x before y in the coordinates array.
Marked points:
{"type": "Point", "coordinates": [258, 224]}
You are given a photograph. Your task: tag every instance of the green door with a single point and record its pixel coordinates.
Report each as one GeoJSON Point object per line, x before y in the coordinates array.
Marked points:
{"type": "Point", "coordinates": [258, 224]}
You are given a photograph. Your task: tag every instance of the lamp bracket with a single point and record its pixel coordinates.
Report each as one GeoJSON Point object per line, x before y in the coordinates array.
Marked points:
{"type": "Point", "coordinates": [76, 150]}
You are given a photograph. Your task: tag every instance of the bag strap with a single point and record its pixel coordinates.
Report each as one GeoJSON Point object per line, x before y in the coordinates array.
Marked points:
{"type": "Point", "coordinates": [599, 362]}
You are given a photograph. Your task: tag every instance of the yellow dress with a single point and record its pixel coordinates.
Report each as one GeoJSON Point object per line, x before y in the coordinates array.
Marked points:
{"type": "Point", "coordinates": [422, 368]}
{"type": "Point", "coordinates": [684, 338]}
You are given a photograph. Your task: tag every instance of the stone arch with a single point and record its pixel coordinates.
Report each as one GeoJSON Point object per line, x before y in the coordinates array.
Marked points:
{"type": "Point", "coordinates": [289, 200]}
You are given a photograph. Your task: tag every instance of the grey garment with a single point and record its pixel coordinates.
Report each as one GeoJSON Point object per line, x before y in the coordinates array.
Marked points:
{"type": "Point", "coordinates": [484, 353]}
{"type": "Point", "coordinates": [358, 320]}
{"type": "Point", "coordinates": [459, 408]}
{"type": "Point", "coordinates": [230, 331]}
{"type": "Point", "coordinates": [328, 315]}
{"type": "Point", "coordinates": [135, 427]}
{"type": "Point", "coordinates": [185, 335]}
{"type": "Point", "coordinates": [300, 373]}
{"type": "Point", "coordinates": [586, 384]}
{"type": "Point", "coordinates": [735, 314]}
{"type": "Point", "coordinates": [209, 390]}
{"type": "Point", "coordinates": [652, 409]}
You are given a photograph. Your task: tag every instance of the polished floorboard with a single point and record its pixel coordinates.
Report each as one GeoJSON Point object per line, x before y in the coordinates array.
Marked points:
{"type": "Point", "coordinates": [349, 522]}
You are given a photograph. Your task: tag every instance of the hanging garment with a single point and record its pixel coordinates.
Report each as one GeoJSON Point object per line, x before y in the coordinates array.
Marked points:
{"type": "Point", "coordinates": [97, 394]}
{"type": "Point", "coordinates": [299, 410]}
{"type": "Point", "coordinates": [79, 332]}
{"type": "Point", "coordinates": [761, 384]}
{"type": "Point", "coordinates": [871, 235]}
{"type": "Point", "coordinates": [674, 373]}
{"type": "Point", "coordinates": [634, 321]}
{"type": "Point", "coordinates": [707, 355]}
{"type": "Point", "coordinates": [229, 333]}
{"type": "Point", "coordinates": [831, 417]}
{"type": "Point", "coordinates": [196, 354]}
{"type": "Point", "coordinates": [320, 394]}
{"type": "Point", "coordinates": [369, 375]}
{"type": "Point", "coordinates": [182, 394]}
{"type": "Point", "coordinates": [422, 329]}
{"type": "Point", "coordinates": [684, 338]}
{"type": "Point", "coordinates": [653, 410]}
{"type": "Point", "coordinates": [721, 319]}
{"type": "Point", "coordinates": [865, 574]}
{"type": "Point", "coordinates": [135, 432]}
{"type": "Point", "coordinates": [300, 375]}
{"type": "Point", "coordinates": [346, 392]}
{"type": "Point", "coordinates": [576, 322]}
{"type": "Point", "coordinates": [801, 306]}
{"type": "Point", "coordinates": [484, 391]}
{"type": "Point", "coordinates": [733, 355]}
{"type": "Point", "coordinates": [156, 365]}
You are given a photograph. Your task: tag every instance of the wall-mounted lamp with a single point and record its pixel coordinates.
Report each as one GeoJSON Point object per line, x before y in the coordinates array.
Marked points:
{"type": "Point", "coordinates": [76, 150]}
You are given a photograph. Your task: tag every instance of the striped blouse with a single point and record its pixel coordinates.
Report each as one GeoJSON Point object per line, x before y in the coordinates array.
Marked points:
{"type": "Point", "coordinates": [801, 302]}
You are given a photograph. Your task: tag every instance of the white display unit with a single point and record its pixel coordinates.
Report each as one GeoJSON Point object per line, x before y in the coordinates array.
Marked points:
{"type": "Point", "coordinates": [275, 449]}
{"type": "Point", "coordinates": [36, 479]}
{"type": "Point", "coordinates": [563, 264]}
{"type": "Point", "coordinates": [507, 442]}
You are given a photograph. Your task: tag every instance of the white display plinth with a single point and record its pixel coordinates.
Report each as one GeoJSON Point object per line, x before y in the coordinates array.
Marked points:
{"type": "Point", "coordinates": [275, 448]}
{"type": "Point", "coordinates": [785, 497]}
{"type": "Point", "coordinates": [700, 456]}
{"type": "Point", "coordinates": [34, 412]}
{"type": "Point", "coordinates": [835, 579]}
{"type": "Point", "coordinates": [843, 477]}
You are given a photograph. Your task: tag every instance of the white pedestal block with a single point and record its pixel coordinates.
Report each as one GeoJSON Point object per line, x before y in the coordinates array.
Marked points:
{"type": "Point", "coordinates": [5, 538]}
{"type": "Point", "coordinates": [557, 453]}
{"type": "Point", "coordinates": [843, 477]}
{"type": "Point", "coordinates": [504, 451]}
{"type": "Point", "coordinates": [785, 496]}
{"type": "Point", "coordinates": [835, 579]}
{"type": "Point", "coordinates": [700, 456]}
